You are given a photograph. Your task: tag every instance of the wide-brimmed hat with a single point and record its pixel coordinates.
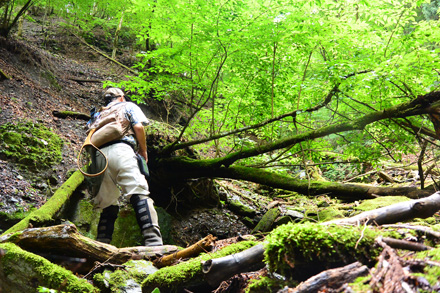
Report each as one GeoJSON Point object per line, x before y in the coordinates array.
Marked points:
{"type": "Point", "coordinates": [114, 92]}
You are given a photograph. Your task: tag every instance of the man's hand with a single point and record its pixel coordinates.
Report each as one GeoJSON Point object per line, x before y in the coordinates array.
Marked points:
{"type": "Point", "coordinates": [140, 137]}
{"type": "Point", "coordinates": [144, 154]}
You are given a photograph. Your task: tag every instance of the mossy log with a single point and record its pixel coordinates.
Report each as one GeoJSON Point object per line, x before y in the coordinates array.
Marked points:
{"type": "Point", "coordinates": [70, 114]}
{"type": "Point", "coordinates": [267, 221]}
{"type": "Point", "coordinates": [51, 207]}
{"type": "Point", "coordinates": [399, 212]}
{"type": "Point", "coordinates": [3, 75]}
{"type": "Point", "coordinates": [66, 240]}
{"type": "Point", "coordinates": [22, 271]}
{"type": "Point", "coordinates": [210, 168]}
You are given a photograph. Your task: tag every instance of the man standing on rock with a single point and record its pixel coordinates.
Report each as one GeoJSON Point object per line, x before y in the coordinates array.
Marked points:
{"type": "Point", "coordinates": [123, 173]}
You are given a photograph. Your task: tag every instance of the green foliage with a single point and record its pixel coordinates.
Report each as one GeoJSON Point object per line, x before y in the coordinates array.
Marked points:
{"type": "Point", "coordinates": [30, 144]}
{"type": "Point", "coordinates": [238, 63]}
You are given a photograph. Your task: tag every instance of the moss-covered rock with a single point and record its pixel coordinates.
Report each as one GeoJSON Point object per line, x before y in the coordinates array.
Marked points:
{"type": "Point", "coordinates": [30, 144]}
{"type": "Point", "coordinates": [130, 278]}
{"type": "Point", "coordinates": [22, 271]}
{"type": "Point", "coordinates": [292, 245]}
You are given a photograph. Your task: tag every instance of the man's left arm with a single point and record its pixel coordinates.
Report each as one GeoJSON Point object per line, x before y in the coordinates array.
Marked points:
{"type": "Point", "coordinates": [139, 132]}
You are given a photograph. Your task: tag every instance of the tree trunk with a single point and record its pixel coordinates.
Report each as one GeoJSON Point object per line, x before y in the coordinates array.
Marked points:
{"type": "Point", "coordinates": [115, 41]}
{"type": "Point", "coordinates": [74, 115]}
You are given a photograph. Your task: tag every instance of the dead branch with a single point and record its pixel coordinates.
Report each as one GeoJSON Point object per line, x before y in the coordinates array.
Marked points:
{"type": "Point", "coordinates": [81, 80]}
{"type": "Point", "coordinates": [335, 278]}
{"type": "Point", "coordinates": [422, 229]}
{"type": "Point", "coordinates": [389, 275]}
{"type": "Point", "coordinates": [201, 246]}
{"type": "Point", "coordinates": [105, 55]}
{"type": "Point", "coordinates": [404, 244]}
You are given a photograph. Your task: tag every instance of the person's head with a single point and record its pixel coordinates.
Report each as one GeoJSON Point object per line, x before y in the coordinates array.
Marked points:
{"type": "Point", "coordinates": [112, 94]}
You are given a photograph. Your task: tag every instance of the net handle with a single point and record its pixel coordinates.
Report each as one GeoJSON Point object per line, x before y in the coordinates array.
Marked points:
{"type": "Point", "coordinates": [86, 143]}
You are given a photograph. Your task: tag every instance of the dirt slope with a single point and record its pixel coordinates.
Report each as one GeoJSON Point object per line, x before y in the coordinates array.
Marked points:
{"type": "Point", "coordinates": [40, 83]}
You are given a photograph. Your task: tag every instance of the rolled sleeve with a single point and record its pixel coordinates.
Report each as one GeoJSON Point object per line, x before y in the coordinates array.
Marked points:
{"type": "Point", "coordinates": [135, 115]}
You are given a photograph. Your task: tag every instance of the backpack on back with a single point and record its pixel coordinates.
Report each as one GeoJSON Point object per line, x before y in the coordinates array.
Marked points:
{"type": "Point", "coordinates": [110, 125]}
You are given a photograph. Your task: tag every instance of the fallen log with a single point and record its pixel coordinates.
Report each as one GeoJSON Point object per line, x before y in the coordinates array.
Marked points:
{"type": "Point", "coordinates": [66, 240]}
{"type": "Point", "coordinates": [203, 245]}
{"type": "Point", "coordinates": [105, 55]}
{"type": "Point", "coordinates": [51, 207]}
{"type": "Point", "coordinates": [403, 211]}
{"type": "Point", "coordinates": [335, 278]}
{"type": "Point", "coordinates": [70, 114]}
{"type": "Point", "coordinates": [267, 221]}
{"type": "Point", "coordinates": [220, 269]}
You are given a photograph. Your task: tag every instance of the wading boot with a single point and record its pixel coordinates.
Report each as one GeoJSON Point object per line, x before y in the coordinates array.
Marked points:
{"type": "Point", "coordinates": [147, 219]}
{"type": "Point", "coordinates": [106, 223]}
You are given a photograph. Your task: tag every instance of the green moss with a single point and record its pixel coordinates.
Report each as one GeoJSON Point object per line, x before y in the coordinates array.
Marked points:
{"type": "Point", "coordinates": [329, 214]}
{"type": "Point", "coordinates": [86, 218]}
{"type": "Point", "coordinates": [169, 278]}
{"type": "Point", "coordinates": [30, 144]}
{"type": "Point", "coordinates": [135, 270]}
{"type": "Point", "coordinates": [265, 284]}
{"type": "Point", "coordinates": [430, 273]}
{"type": "Point", "coordinates": [127, 232]}
{"type": "Point", "coordinates": [361, 284]}
{"type": "Point", "coordinates": [294, 244]}
{"type": "Point", "coordinates": [371, 204]}
{"type": "Point", "coordinates": [43, 272]}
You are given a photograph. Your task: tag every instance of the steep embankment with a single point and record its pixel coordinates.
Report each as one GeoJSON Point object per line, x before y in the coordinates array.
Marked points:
{"type": "Point", "coordinates": [39, 82]}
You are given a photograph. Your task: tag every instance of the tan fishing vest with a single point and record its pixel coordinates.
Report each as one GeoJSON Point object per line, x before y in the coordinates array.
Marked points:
{"type": "Point", "coordinates": [111, 124]}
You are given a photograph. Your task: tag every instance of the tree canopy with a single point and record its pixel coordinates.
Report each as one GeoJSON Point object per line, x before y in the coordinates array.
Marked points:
{"type": "Point", "coordinates": [279, 84]}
